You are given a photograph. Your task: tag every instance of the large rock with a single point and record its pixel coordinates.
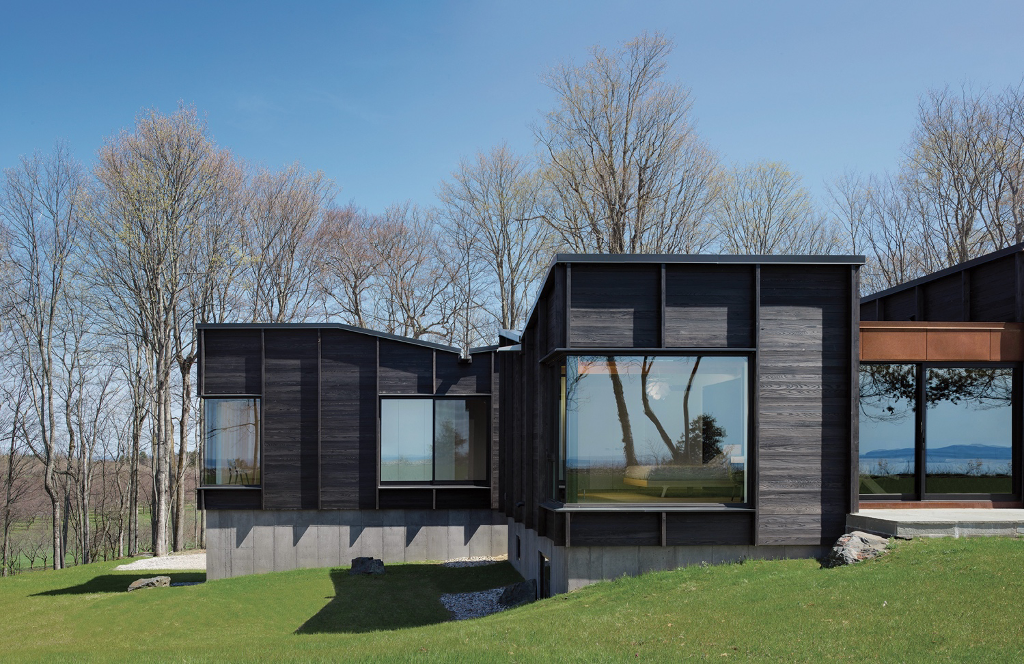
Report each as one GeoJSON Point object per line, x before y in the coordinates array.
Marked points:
{"type": "Point", "coordinates": [367, 566]}
{"type": "Point", "coordinates": [153, 582]}
{"type": "Point", "coordinates": [515, 594]}
{"type": "Point", "coordinates": [855, 547]}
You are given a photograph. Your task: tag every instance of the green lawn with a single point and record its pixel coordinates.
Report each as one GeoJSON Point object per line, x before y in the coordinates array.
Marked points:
{"type": "Point", "coordinates": [945, 600]}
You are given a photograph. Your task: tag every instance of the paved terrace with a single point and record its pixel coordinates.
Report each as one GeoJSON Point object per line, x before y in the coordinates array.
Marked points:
{"type": "Point", "coordinates": [908, 523]}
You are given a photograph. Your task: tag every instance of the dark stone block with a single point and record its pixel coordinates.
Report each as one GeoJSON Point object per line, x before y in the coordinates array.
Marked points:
{"type": "Point", "coordinates": [367, 566]}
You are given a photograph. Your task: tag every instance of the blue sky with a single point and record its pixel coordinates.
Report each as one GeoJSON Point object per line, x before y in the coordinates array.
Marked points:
{"type": "Point", "coordinates": [385, 97]}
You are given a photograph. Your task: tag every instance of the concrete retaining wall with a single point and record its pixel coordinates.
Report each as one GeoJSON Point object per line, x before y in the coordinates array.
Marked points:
{"type": "Point", "coordinates": [240, 542]}
{"type": "Point", "coordinates": [578, 566]}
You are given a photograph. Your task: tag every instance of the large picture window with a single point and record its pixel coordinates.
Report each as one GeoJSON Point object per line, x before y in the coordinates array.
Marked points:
{"type": "Point", "coordinates": [434, 440]}
{"type": "Point", "coordinates": [961, 443]}
{"type": "Point", "coordinates": [232, 442]}
{"type": "Point", "coordinates": [655, 429]}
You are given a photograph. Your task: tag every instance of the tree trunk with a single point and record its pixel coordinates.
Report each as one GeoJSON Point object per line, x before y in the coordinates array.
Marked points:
{"type": "Point", "coordinates": [620, 407]}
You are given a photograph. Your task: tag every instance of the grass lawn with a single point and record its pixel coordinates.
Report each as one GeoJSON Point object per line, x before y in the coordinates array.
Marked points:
{"type": "Point", "coordinates": [944, 600]}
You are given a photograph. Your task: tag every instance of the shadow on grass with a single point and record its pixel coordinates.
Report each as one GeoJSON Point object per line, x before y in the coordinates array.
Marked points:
{"type": "Point", "coordinates": [118, 583]}
{"type": "Point", "coordinates": [405, 596]}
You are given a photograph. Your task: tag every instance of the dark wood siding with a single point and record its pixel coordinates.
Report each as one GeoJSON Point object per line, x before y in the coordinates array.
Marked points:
{"type": "Point", "coordinates": [348, 425]}
{"type": "Point", "coordinates": [709, 306]}
{"type": "Point", "coordinates": [454, 377]}
{"type": "Point", "coordinates": [901, 306]}
{"type": "Point", "coordinates": [805, 404]}
{"type": "Point", "coordinates": [993, 291]}
{"type": "Point", "coordinates": [231, 499]}
{"type": "Point", "coordinates": [615, 529]}
{"type": "Point", "coordinates": [290, 473]}
{"type": "Point", "coordinates": [233, 362]}
{"type": "Point", "coordinates": [943, 299]}
{"type": "Point", "coordinates": [406, 368]}
{"type": "Point", "coordinates": [702, 528]}
{"type": "Point", "coordinates": [615, 306]}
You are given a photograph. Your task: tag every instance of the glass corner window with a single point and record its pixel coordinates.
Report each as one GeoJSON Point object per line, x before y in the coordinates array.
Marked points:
{"type": "Point", "coordinates": [655, 429]}
{"type": "Point", "coordinates": [232, 442]}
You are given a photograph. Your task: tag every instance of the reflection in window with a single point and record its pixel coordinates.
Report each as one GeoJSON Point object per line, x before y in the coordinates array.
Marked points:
{"type": "Point", "coordinates": [888, 394]}
{"type": "Point", "coordinates": [969, 430]}
{"type": "Point", "coordinates": [406, 445]}
{"type": "Point", "coordinates": [428, 440]}
{"type": "Point", "coordinates": [232, 442]}
{"type": "Point", "coordinates": [460, 435]}
{"type": "Point", "coordinates": [655, 429]}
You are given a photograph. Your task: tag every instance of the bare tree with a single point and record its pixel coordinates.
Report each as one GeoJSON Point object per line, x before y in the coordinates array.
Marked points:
{"type": "Point", "coordinates": [14, 469]}
{"type": "Point", "coordinates": [490, 219]}
{"type": "Point", "coordinates": [412, 287]}
{"type": "Point", "coordinates": [283, 214]}
{"type": "Point", "coordinates": [348, 264]}
{"type": "Point", "coordinates": [624, 168]}
{"type": "Point", "coordinates": [157, 184]}
{"type": "Point", "coordinates": [763, 209]}
{"type": "Point", "coordinates": [39, 204]}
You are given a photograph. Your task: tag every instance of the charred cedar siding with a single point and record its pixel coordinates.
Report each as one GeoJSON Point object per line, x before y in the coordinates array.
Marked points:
{"type": "Point", "coordinates": [348, 420]}
{"type": "Point", "coordinates": [456, 378]}
{"type": "Point", "coordinates": [983, 290]}
{"type": "Point", "coordinates": [805, 403]}
{"type": "Point", "coordinates": [406, 368]}
{"type": "Point", "coordinates": [231, 362]}
{"type": "Point", "coordinates": [230, 499]}
{"type": "Point", "coordinates": [290, 419]}
{"type": "Point", "coordinates": [709, 306]}
{"type": "Point", "coordinates": [615, 306]}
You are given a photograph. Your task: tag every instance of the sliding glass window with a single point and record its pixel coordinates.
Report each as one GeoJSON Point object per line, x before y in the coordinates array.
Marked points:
{"type": "Point", "coordinates": [232, 442]}
{"type": "Point", "coordinates": [962, 444]}
{"type": "Point", "coordinates": [434, 440]}
{"type": "Point", "coordinates": [655, 429]}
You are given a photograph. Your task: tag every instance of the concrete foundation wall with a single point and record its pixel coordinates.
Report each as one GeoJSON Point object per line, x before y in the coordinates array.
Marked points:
{"type": "Point", "coordinates": [240, 542]}
{"type": "Point", "coordinates": [578, 566]}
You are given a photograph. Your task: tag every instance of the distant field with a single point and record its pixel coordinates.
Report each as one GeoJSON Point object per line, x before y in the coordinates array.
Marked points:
{"type": "Point", "coordinates": [930, 600]}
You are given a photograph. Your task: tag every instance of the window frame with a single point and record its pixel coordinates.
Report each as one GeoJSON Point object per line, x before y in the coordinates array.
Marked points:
{"type": "Point", "coordinates": [921, 492]}
{"type": "Point", "coordinates": [391, 484]}
{"type": "Point", "coordinates": [259, 439]}
{"type": "Point", "coordinates": [560, 419]}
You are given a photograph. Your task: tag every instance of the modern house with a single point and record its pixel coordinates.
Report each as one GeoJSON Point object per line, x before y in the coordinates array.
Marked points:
{"type": "Point", "coordinates": [654, 412]}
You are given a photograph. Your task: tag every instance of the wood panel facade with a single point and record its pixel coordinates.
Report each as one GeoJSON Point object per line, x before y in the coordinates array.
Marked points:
{"type": "Point", "coordinates": [795, 319]}
{"type": "Point", "coordinates": [320, 388]}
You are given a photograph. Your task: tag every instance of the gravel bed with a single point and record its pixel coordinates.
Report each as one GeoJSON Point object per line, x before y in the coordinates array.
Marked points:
{"type": "Point", "coordinates": [182, 561]}
{"type": "Point", "coordinates": [463, 606]}
{"type": "Point", "coordinates": [474, 561]}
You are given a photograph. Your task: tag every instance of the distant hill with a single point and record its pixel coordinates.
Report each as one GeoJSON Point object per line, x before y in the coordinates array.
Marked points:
{"type": "Point", "coordinates": [991, 452]}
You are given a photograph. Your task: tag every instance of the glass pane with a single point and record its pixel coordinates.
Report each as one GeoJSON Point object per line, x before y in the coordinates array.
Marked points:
{"type": "Point", "coordinates": [887, 420]}
{"type": "Point", "coordinates": [232, 442]}
{"type": "Point", "coordinates": [969, 430]}
{"type": "Point", "coordinates": [460, 439]}
{"type": "Point", "coordinates": [406, 449]}
{"type": "Point", "coordinates": [656, 429]}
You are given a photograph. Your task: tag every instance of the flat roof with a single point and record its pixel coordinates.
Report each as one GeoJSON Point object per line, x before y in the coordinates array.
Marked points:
{"type": "Point", "coordinates": [341, 326]}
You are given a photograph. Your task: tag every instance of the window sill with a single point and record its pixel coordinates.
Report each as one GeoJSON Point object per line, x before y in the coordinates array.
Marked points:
{"type": "Point", "coordinates": [232, 487]}
{"type": "Point", "coordinates": [432, 486]}
{"type": "Point", "coordinates": [645, 507]}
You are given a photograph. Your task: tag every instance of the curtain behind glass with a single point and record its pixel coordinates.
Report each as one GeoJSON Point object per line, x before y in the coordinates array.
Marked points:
{"type": "Point", "coordinates": [232, 442]}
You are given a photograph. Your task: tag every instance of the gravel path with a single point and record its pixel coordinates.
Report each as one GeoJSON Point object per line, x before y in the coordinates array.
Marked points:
{"type": "Point", "coordinates": [187, 561]}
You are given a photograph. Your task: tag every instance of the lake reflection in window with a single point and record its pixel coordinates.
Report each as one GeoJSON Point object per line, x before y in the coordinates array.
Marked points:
{"type": "Point", "coordinates": [888, 394]}
{"type": "Point", "coordinates": [969, 430]}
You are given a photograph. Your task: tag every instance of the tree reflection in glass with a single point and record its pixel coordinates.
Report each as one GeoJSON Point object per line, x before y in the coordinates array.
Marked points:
{"type": "Point", "coordinates": [655, 428]}
{"type": "Point", "coordinates": [888, 397]}
{"type": "Point", "coordinates": [969, 430]}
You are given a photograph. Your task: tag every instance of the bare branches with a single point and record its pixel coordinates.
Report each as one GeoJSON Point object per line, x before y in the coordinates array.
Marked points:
{"type": "Point", "coordinates": [624, 169]}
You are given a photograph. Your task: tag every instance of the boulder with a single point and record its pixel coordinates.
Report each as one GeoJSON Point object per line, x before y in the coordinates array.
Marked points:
{"type": "Point", "coordinates": [516, 594]}
{"type": "Point", "coordinates": [854, 547]}
{"type": "Point", "coordinates": [153, 582]}
{"type": "Point", "coordinates": [367, 566]}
